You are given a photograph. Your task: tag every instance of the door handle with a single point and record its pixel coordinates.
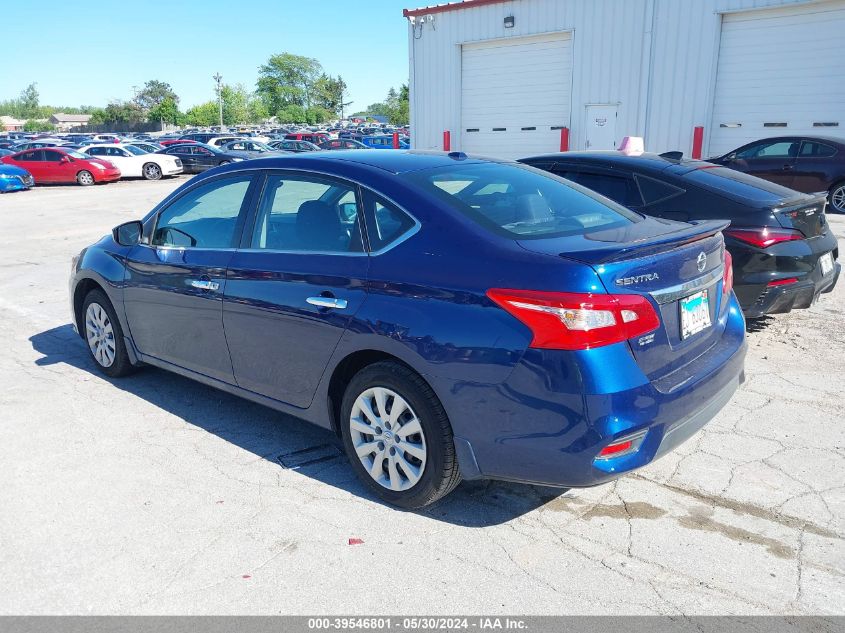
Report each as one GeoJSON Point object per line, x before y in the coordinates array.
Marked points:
{"type": "Point", "coordinates": [205, 284]}
{"type": "Point", "coordinates": [787, 167]}
{"type": "Point", "coordinates": [327, 302]}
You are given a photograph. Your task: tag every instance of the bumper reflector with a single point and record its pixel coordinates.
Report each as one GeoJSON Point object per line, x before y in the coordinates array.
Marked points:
{"type": "Point", "coordinates": [622, 447]}
{"type": "Point", "coordinates": [783, 282]}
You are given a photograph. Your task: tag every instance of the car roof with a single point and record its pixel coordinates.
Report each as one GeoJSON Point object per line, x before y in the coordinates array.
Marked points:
{"type": "Point", "coordinates": [395, 162]}
{"type": "Point", "coordinates": [604, 157]}
{"type": "Point", "coordinates": [798, 137]}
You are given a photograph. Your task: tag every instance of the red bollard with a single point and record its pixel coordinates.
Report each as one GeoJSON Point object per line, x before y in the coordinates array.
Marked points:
{"type": "Point", "coordinates": [697, 141]}
{"type": "Point", "coordinates": [564, 139]}
{"type": "Point", "coordinates": [447, 141]}
{"type": "Point", "coordinates": [396, 140]}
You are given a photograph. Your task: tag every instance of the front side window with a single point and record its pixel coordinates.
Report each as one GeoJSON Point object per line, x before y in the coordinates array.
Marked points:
{"type": "Point", "coordinates": [778, 149]}
{"type": "Point", "coordinates": [307, 214]}
{"type": "Point", "coordinates": [535, 204]}
{"type": "Point", "coordinates": [205, 217]}
{"type": "Point", "coordinates": [620, 189]}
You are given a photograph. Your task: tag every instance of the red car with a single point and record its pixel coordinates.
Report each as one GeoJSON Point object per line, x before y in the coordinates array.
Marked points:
{"type": "Point", "coordinates": [311, 137]}
{"type": "Point", "coordinates": [59, 165]}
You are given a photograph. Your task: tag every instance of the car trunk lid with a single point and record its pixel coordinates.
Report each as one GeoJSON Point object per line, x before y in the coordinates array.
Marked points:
{"type": "Point", "coordinates": [805, 216]}
{"type": "Point", "coordinates": [677, 266]}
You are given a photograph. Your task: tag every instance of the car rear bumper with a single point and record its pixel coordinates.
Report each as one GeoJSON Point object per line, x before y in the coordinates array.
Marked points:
{"type": "Point", "coordinates": [783, 299]}
{"type": "Point", "coordinates": [540, 427]}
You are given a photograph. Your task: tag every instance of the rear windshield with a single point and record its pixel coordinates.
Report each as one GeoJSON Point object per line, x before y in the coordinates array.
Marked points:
{"type": "Point", "coordinates": [521, 202]}
{"type": "Point", "coordinates": [739, 184]}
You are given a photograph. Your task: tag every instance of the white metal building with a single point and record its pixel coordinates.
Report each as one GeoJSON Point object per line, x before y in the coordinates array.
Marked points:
{"type": "Point", "coordinates": [504, 76]}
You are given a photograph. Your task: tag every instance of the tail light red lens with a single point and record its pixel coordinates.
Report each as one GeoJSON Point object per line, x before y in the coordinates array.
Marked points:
{"type": "Point", "coordinates": [728, 274]}
{"type": "Point", "coordinates": [573, 321]}
{"type": "Point", "coordinates": [764, 237]}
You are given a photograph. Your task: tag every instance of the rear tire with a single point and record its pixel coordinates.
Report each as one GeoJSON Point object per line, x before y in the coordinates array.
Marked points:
{"type": "Point", "coordinates": [104, 336]}
{"type": "Point", "coordinates": [85, 178]}
{"type": "Point", "coordinates": [836, 198]}
{"type": "Point", "coordinates": [397, 436]}
{"type": "Point", "coordinates": [151, 171]}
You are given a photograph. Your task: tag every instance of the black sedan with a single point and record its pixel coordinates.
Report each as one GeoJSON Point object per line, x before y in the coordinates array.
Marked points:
{"type": "Point", "coordinates": [784, 253]}
{"type": "Point", "coordinates": [294, 146]}
{"type": "Point", "coordinates": [253, 148]}
{"type": "Point", "coordinates": [804, 163]}
{"type": "Point", "coordinates": [197, 157]}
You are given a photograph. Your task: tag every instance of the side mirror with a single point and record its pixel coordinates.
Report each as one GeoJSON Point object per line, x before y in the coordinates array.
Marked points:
{"type": "Point", "coordinates": [64, 159]}
{"type": "Point", "coordinates": [128, 233]}
{"type": "Point", "coordinates": [730, 157]}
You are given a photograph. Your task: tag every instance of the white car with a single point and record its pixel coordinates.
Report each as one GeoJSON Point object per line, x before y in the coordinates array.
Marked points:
{"type": "Point", "coordinates": [134, 162]}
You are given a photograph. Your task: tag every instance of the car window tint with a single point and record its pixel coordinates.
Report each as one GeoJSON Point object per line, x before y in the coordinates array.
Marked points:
{"type": "Point", "coordinates": [204, 217]}
{"type": "Point", "coordinates": [307, 214]}
{"type": "Point", "coordinates": [537, 205]}
{"type": "Point", "coordinates": [654, 191]}
{"type": "Point", "coordinates": [778, 149]}
{"type": "Point", "coordinates": [52, 157]}
{"type": "Point", "coordinates": [386, 223]}
{"type": "Point", "coordinates": [620, 189]}
{"type": "Point", "coordinates": [811, 149]}
{"type": "Point", "coordinates": [739, 184]}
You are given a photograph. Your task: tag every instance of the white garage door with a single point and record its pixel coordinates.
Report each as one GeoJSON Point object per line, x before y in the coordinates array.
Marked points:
{"type": "Point", "coordinates": [515, 95]}
{"type": "Point", "coordinates": [780, 73]}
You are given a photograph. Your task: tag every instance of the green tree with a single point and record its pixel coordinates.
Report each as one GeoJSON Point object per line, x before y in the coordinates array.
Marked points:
{"type": "Point", "coordinates": [202, 115]}
{"type": "Point", "coordinates": [235, 104]}
{"type": "Point", "coordinates": [329, 93]}
{"type": "Point", "coordinates": [123, 112]}
{"type": "Point", "coordinates": [395, 107]}
{"type": "Point", "coordinates": [29, 101]}
{"type": "Point", "coordinates": [288, 79]}
{"type": "Point", "coordinates": [38, 126]}
{"type": "Point", "coordinates": [292, 114]}
{"type": "Point", "coordinates": [167, 111]}
{"type": "Point", "coordinates": [154, 93]}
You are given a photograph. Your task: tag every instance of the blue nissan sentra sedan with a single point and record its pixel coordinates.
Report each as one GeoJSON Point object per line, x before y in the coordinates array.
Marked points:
{"type": "Point", "coordinates": [448, 317]}
{"type": "Point", "coordinates": [13, 178]}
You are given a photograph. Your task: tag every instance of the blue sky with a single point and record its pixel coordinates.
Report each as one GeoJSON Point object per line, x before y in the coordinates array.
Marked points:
{"type": "Point", "coordinates": [93, 56]}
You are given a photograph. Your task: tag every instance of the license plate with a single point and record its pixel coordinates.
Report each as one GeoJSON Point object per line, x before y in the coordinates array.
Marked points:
{"type": "Point", "coordinates": [695, 314]}
{"type": "Point", "coordinates": [826, 263]}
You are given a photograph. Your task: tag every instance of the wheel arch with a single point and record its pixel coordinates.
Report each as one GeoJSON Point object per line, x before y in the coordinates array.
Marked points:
{"type": "Point", "coordinates": [81, 291]}
{"type": "Point", "coordinates": [343, 372]}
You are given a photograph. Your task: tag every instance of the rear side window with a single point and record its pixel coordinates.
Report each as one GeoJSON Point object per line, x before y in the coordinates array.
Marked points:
{"type": "Point", "coordinates": [523, 203]}
{"type": "Point", "coordinates": [620, 189]}
{"type": "Point", "coordinates": [386, 223]}
{"type": "Point", "coordinates": [654, 191]}
{"type": "Point", "coordinates": [810, 149]}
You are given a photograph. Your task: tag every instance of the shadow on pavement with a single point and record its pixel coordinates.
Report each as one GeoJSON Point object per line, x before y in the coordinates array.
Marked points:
{"type": "Point", "coordinates": [284, 440]}
{"type": "Point", "coordinates": [752, 326]}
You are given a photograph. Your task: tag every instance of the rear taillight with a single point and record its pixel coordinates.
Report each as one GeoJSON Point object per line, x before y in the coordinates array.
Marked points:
{"type": "Point", "coordinates": [569, 320]}
{"type": "Point", "coordinates": [728, 274]}
{"type": "Point", "coordinates": [764, 237]}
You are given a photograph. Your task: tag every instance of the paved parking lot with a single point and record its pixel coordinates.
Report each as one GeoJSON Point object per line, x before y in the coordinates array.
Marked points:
{"type": "Point", "coordinates": [154, 494]}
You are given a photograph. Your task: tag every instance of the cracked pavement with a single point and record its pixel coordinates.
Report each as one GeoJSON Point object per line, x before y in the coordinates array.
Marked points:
{"type": "Point", "coordinates": [154, 494]}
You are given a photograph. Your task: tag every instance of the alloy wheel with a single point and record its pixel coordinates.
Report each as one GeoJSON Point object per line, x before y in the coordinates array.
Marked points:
{"type": "Point", "coordinates": [837, 199]}
{"type": "Point", "coordinates": [100, 334]}
{"type": "Point", "coordinates": [388, 438]}
{"type": "Point", "coordinates": [85, 178]}
{"type": "Point", "coordinates": [152, 171]}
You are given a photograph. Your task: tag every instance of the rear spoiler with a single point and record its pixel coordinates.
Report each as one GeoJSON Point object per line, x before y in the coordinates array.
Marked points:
{"type": "Point", "coordinates": [690, 232]}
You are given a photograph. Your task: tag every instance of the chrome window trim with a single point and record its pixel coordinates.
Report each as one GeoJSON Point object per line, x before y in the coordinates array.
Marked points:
{"type": "Point", "coordinates": [673, 293]}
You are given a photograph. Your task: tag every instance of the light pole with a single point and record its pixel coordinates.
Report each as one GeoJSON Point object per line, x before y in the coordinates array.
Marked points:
{"type": "Point", "coordinates": [219, 78]}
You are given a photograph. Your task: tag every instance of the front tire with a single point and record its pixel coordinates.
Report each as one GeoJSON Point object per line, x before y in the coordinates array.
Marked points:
{"type": "Point", "coordinates": [151, 171]}
{"type": "Point", "coordinates": [397, 436]}
{"type": "Point", "coordinates": [836, 198]}
{"type": "Point", "coordinates": [104, 336]}
{"type": "Point", "coordinates": [85, 178]}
